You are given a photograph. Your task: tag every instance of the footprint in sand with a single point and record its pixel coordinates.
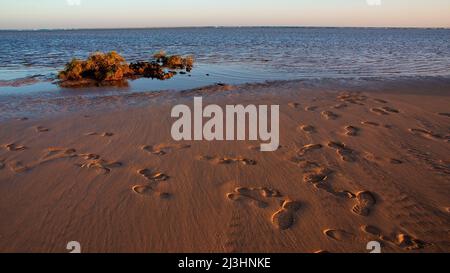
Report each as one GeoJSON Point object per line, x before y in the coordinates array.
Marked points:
{"type": "Point", "coordinates": [162, 149]}
{"type": "Point", "coordinates": [375, 232]}
{"type": "Point", "coordinates": [351, 130]}
{"type": "Point", "coordinates": [89, 156]}
{"type": "Point", "coordinates": [311, 108]}
{"type": "Point", "coordinates": [444, 114]}
{"type": "Point", "coordinates": [51, 154]}
{"type": "Point", "coordinates": [248, 195]}
{"type": "Point", "coordinates": [314, 173]}
{"type": "Point", "coordinates": [309, 147]}
{"type": "Point", "coordinates": [390, 109]}
{"type": "Point", "coordinates": [401, 240]}
{"type": "Point", "coordinates": [338, 193]}
{"type": "Point", "coordinates": [408, 242]}
{"type": "Point", "coordinates": [141, 189]}
{"type": "Point", "coordinates": [154, 178]}
{"type": "Point", "coordinates": [41, 129]}
{"type": "Point", "coordinates": [343, 151]}
{"type": "Point", "coordinates": [100, 165]}
{"type": "Point", "coordinates": [318, 176]}
{"type": "Point", "coordinates": [308, 129]}
{"type": "Point", "coordinates": [104, 134]}
{"type": "Point", "coordinates": [90, 161]}
{"type": "Point", "coordinates": [294, 104]}
{"type": "Point", "coordinates": [147, 189]}
{"type": "Point", "coordinates": [338, 234]}
{"type": "Point", "coordinates": [371, 230]}
{"type": "Point", "coordinates": [283, 218]}
{"type": "Point", "coordinates": [340, 106]}
{"type": "Point", "coordinates": [380, 101]}
{"type": "Point", "coordinates": [352, 97]}
{"type": "Point", "coordinates": [395, 161]}
{"type": "Point", "coordinates": [54, 153]}
{"type": "Point", "coordinates": [220, 160]}
{"type": "Point", "coordinates": [329, 115]}
{"type": "Point", "coordinates": [18, 167]}
{"type": "Point", "coordinates": [379, 111]}
{"type": "Point", "coordinates": [297, 156]}
{"type": "Point", "coordinates": [426, 133]}
{"type": "Point", "coordinates": [370, 123]}
{"type": "Point", "coordinates": [12, 147]}
{"type": "Point", "coordinates": [375, 124]}
{"type": "Point", "coordinates": [365, 202]}
{"type": "Point", "coordinates": [371, 157]}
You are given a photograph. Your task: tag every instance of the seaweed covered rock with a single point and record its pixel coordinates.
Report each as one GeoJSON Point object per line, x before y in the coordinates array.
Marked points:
{"type": "Point", "coordinates": [98, 67]}
{"type": "Point", "coordinates": [112, 69]}
{"type": "Point", "coordinates": [149, 70]}
{"type": "Point", "coordinates": [73, 71]}
{"type": "Point", "coordinates": [174, 61]}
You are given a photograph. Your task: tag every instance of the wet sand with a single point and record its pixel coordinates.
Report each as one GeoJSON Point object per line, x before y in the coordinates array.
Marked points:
{"type": "Point", "coordinates": [355, 165]}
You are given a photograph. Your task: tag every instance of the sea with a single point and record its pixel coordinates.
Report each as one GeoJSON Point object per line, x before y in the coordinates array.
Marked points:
{"type": "Point", "coordinates": [31, 59]}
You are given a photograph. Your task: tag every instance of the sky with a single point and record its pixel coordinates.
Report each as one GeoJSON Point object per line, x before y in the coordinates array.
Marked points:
{"type": "Point", "coordinates": [51, 14]}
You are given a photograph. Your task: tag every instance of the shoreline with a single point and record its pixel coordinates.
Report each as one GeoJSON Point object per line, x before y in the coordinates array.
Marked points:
{"type": "Point", "coordinates": [79, 99]}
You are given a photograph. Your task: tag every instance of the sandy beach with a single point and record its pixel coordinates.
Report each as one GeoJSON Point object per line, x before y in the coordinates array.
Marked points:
{"type": "Point", "coordinates": [354, 165]}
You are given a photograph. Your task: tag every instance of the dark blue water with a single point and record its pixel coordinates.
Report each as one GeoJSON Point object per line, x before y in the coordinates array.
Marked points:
{"type": "Point", "coordinates": [233, 55]}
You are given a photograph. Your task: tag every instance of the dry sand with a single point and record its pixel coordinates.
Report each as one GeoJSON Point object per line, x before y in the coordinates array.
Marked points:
{"type": "Point", "coordinates": [354, 166]}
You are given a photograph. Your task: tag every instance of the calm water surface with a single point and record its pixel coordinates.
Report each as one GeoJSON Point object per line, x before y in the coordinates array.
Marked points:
{"type": "Point", "coordinates": [230, 55]}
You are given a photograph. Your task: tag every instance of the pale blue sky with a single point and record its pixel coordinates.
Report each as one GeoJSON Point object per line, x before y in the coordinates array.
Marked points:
{"type": "Point", "coordinates": [33, 14]}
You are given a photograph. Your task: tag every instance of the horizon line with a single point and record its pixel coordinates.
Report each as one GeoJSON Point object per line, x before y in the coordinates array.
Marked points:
{"type": "Point", "coordinates": [212, 26]}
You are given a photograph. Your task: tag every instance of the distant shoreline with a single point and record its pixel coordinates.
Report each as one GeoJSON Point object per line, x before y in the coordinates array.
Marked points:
{"type": "Point", "coordinates": [226, 27]}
